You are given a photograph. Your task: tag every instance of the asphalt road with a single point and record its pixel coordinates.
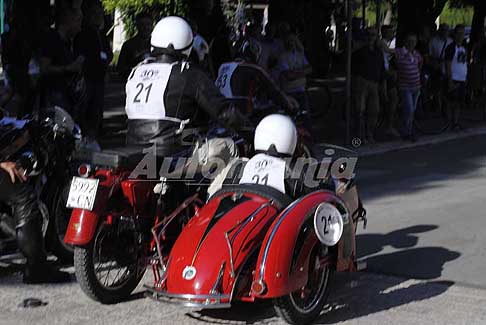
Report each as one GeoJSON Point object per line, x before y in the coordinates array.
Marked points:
{"type": "Point", "coordinates": [427, 212]}
{"type": "Point", "coordinates": [425, 245]}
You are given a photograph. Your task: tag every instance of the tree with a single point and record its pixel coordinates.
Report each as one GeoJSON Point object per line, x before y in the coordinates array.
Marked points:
{"type": "Point", "coordinates": [415, 14]}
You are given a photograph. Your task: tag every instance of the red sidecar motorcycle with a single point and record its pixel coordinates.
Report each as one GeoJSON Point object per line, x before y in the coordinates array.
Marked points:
{"type": "Point", "coordinates": [252, 242]}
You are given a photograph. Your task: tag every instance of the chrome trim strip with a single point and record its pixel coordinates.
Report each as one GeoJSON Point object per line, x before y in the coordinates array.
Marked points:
{"type": "Point", "coordinates": [275, 229]}
{"type": "Point", "coordinates": [187, 300]}
{"type": "Point", "coordinates": [240, 226]}
{"type": "Point", "coordinates": [214, 289]}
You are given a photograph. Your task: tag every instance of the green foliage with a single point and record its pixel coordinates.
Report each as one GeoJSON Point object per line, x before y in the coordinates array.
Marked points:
{"type": "Point", "coordinates": [454, 16]}
{"type": "Point", "coordinates": [455, 12]}
{"type": "Point", "coordinates": [156, 8]}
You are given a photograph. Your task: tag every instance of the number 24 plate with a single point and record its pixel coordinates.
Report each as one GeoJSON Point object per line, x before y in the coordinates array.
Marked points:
{"type": "Point", "coordinates": [82, 193]}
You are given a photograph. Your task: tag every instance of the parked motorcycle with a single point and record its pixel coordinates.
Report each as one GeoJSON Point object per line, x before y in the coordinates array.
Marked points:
{"type": "Point", "coordinates": [45, 150]}
{"type": "Point", "coordinates": [251, 242]}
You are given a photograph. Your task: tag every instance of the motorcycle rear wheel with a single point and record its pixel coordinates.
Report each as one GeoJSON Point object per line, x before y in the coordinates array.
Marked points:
{"type": "Point", "coordinates": [305, 305]}
{"type": "Point", "coordinates": [112, 245]}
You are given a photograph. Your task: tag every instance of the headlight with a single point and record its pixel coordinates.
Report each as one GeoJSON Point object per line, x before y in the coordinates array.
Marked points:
{"type": "Point", "coordinates": [328, 224]}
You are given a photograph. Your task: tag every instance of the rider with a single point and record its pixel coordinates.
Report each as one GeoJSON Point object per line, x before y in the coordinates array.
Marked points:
{"type": "Point", "coordinates": [20, 196]}
{"type": "Point", "coordinates": [166, 93]}
{"type": "Point", "coordinates": [275, 144]}
{"type": "Point", "coordinates": [244, 78]}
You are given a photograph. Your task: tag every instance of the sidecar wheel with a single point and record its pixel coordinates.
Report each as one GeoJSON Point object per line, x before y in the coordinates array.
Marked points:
{"type": "Point", "coordinates": [305, 305]}
{"type": "Point", "coordinates": [112, 250]}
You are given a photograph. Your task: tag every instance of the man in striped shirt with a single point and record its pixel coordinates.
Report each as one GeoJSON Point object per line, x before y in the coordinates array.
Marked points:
{"type": "Point", "coordinates": [409, 64]}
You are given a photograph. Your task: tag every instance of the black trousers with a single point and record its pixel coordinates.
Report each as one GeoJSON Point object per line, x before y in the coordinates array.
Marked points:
{"type": "Point", "coordinates": [28, 218]}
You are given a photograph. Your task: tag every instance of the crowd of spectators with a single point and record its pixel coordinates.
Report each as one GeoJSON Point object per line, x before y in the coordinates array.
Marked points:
{"type": "Point", "coordinates": [63, 61]}
{"type": "Point", "coordinates": [58, 60]}
{"type": "Point", "coordinates": [388, 80]}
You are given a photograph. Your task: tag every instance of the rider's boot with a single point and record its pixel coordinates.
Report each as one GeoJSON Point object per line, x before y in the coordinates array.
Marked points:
{"type": "Point", "coordinates": [30, 240]}
{"type": "Point", "coordinates": [31, 243]}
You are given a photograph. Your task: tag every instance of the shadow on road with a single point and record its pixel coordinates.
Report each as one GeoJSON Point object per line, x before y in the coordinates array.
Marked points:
{"type": "Point", "coordinates": [418, 263]}
{"type": "Point", "coordinates": [361, 294]}
{"type": "Point", "coordinates": [366, 294]}
{"type": "Point", "coordinates": [352, 296]}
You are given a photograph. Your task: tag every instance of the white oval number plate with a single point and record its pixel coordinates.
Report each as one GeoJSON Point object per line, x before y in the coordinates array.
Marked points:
{"type": "Point", "coordinates": [328, 224]}
{"type": "Point", "coordinates": [82, 193]}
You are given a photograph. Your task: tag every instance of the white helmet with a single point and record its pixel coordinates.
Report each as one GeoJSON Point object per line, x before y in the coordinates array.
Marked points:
{"type": "Point", "coordinates": [173, 33]}
{"type": "Point", "coordinates": [278, 130]}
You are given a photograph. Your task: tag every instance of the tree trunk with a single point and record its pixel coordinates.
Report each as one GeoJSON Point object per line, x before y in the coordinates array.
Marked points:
{"type": "Point", "coordinates": [413, 15]}
{"type": "Point", "coordinates": [478, 21]}
{"type": "Point", "coordinates": [389, 13]}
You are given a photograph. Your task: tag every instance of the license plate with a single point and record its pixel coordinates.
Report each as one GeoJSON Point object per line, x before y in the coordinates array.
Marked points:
{"type": "Point", "coordinates": [82, 193]}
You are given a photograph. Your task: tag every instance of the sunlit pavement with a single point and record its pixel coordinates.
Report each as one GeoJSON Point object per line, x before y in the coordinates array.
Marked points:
{"type": "Point", "coordinates": [426, 210]}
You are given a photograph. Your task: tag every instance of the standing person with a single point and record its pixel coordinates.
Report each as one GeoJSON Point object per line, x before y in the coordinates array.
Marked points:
{"type": "Point", "coordinates": [437, 70]}
{"type": "Point", "coordinates": [409, 64]}
{"type": "Point", "coordinates": [136, 49]}
{"type": "Point", "coordinates": [456, 69]}
{"type": "Point", "coordinates": [60, 67]}
{"type": "Point", "coordinates": [438, 45]}
{"type": "Point", "coordinates": [294, 68]}
{"type": "Point", "coordinates": [391, 93]}
{"type": "Point", "coordinates": [92, 44]}
{"type": "Point", "coordinates": [368, 65]}
{"type": "Point", "coordinates": [17, 53]}
{"type": "Point", "coordinates": [269, 56]}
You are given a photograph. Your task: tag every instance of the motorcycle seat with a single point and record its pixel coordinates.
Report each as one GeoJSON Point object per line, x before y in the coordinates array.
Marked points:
{"type": "Point", "coordinates": [126, 157]}
{"type": "Point", "coordinates": [129, 157]}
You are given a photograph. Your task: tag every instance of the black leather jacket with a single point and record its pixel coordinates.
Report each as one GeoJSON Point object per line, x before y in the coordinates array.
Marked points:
{"type": "Point", "coordinates": [190, 95]}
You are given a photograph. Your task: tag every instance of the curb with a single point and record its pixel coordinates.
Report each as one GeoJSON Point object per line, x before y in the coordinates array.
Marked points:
{"type": "Point", "coordinates": [423, 141]}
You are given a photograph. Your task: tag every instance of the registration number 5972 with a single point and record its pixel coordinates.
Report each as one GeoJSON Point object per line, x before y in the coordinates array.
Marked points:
{"type": "Point", "coordinates": [82, 193]}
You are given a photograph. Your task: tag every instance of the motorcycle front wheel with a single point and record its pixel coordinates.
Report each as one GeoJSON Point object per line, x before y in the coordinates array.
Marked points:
{"type": "Point", "coordinates": [59, 220]}
{"type": "Point", "coordinates": [110, 267]}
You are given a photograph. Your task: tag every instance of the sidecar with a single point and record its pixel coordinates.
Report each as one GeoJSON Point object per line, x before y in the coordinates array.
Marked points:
{"type": "Point", "coordinates": [252, 242]}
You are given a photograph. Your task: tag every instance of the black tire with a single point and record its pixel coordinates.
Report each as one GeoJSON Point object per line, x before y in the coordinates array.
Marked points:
{"type": "Point", "coordinates": [59, 220]}
{"type": "Point", "coordinates": [288, 307]}
{"type": "Point", "coordinates": [86, 274]}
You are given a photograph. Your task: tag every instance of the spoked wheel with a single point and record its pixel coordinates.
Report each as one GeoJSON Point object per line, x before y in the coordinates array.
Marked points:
{"type": "Point", "coordinates": [58, 224]}
{"type": "Point", "coordinates": [305, 305]}
{"type": "Point", "coordinates": [430, 118]}
{"type": "Point", "coordinates": [112, 265]}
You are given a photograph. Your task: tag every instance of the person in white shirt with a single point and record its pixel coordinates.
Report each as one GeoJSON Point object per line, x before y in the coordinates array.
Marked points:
{"type": "Point", "coordinates": [456, 67]}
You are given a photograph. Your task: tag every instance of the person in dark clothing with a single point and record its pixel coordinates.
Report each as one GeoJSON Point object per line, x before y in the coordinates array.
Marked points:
{"type": "Point", "coordinates": [368, 79]}
{"type": "Point", "coordinates": [17, 53]}
{"type": "Point", "coordinates": [92, 44]}
{"type": "Point", "coordinates": [244, 78]}
{"type": "Point", "coordinates": [20, 196]}
{"type": "Point", "coordinates": [136, 49]}
{"type": "Point", "coordinates": [166, 93]}
{"type": "Point", "coordinates": [60, 67]}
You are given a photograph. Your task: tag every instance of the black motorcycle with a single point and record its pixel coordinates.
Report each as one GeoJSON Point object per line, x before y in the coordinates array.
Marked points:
{"type": "Point", "coordinates": [45, 149]}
